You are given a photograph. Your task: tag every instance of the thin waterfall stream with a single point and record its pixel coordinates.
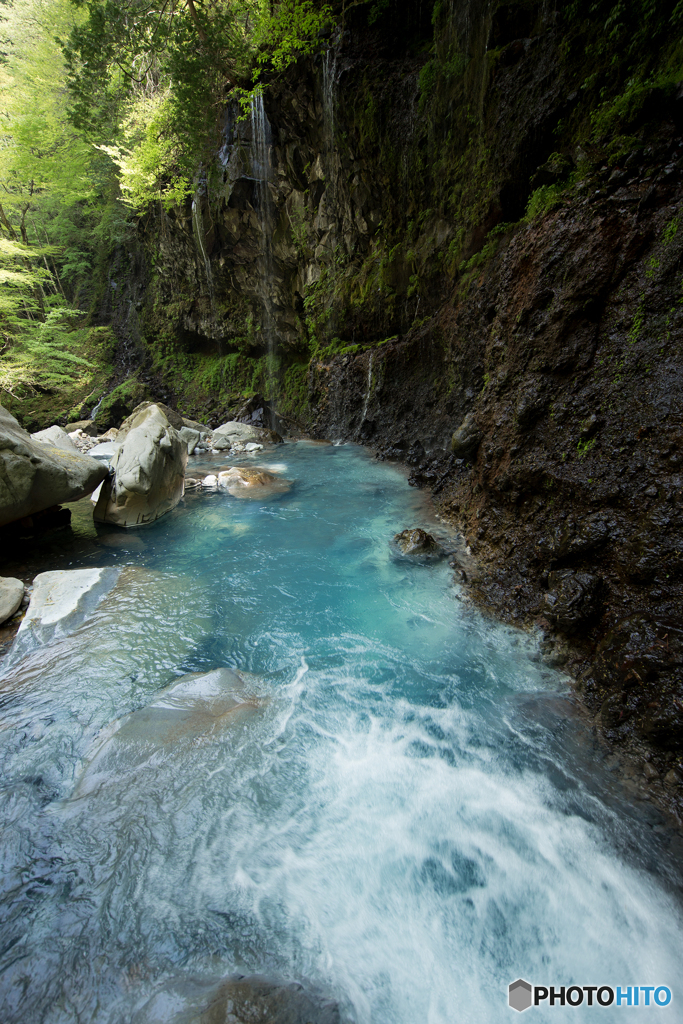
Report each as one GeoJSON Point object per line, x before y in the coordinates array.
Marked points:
{"type": "Point", "coordinates": [261, 170]}
{"type": "Point", "coordinates": [406, 815]}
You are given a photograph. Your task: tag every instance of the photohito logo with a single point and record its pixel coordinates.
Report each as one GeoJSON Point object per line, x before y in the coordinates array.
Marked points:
{"type": "Point", "coordinates": [522, 994]}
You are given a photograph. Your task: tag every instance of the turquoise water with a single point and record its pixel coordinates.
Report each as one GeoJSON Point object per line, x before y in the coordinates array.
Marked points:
{"type": "Point", "coordinates": [394, 821]}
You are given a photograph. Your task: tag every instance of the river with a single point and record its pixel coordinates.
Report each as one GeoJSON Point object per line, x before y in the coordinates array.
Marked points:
{"type": "Point", "coordinates": [410, 817]}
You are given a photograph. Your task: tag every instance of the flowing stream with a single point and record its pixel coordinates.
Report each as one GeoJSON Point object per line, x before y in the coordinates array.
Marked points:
{"type": "Point", "coordinates": [408, 819]}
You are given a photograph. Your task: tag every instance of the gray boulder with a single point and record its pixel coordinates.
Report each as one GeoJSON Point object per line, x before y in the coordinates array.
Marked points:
{"type": "Point", "coordinates": [148, 473]}
{"type": "Point", "coordinates": [466, 438]}
{"type": "Point", "coordinates": [239, 432]}
{"type": "Point", "coordinates": [11, 595]}
{"type": "Point", "coordinates": [55, 436]}
{"type": "Point", "coordinates": [35, 476]}
{"type": "Point", "coordinates": [190, 437]}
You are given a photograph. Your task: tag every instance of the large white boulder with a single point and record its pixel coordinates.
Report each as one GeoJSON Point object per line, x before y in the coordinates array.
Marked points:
{"type": "Point", "coordinates": [11, 595]}
{"type": "Point", "coordinates": [61, 601]}
{"type": "Point", "coordinates": [35, 476]}
{"type": "Point", "coordinates": [56, 437]}
{"type": "Point", "coordinates": [148, 473]}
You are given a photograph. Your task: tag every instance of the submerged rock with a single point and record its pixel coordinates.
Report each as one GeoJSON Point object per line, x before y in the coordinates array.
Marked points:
{"type": "Point", "coordinates": [149, 472]}
{"type": "Point", "coordinates": [193, 709]}
{"type": "Point", "coordinates": [60, 602]}
{"type": "Point", "coordinates": [417, 542]}
{"type": "Point", "coordinates": [255, 999]}
{"type": "Point", "coordinates": [11, 595]}
{"type": "Point", "coordinates": [35, 476]}
{"type": "Point", "coordinates": [245, 482]}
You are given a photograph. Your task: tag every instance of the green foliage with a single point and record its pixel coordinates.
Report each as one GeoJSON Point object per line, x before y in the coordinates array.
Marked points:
{"type": "Point", "coordinates": [543, 200]}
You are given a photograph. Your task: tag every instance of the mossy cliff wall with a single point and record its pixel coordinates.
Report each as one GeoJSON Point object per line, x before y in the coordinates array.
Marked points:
{"type": "Point", "coordinates": [472, 214]}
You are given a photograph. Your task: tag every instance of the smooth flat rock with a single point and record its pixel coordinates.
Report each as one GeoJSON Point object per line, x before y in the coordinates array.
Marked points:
{"type": "Point", "coordinates": [35, 476]}
{"type": "Point", "coordinates": [253, 447]}
{"type": "Point", "coordinates": [11, 596]}
{"type": "Point", "coordinates": [148, 473]}
{"type": "Point", "coordinates": [55, 436]}
{"type": "Point", "coordinates": [61, 601]}
{"type": "Point", "coordinates": [254, 999]}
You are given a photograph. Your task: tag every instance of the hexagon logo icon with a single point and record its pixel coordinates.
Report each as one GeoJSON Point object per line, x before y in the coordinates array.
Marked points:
{"type": "Point", "coordinates": [519, 995]}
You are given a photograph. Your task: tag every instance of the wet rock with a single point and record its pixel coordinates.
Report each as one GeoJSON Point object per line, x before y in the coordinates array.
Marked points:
{"type": "Point", "coordinates": [254, 999]}
{"type": "Point", "coordinates": [56, 437]}
{"type": "Point", "coordinates": [530, 406]}
{"type": "Point", "coordinates": [245, 482]}
{"type": "Point", "coordinates": [416, 542]}
{"type": "Point", "coordinates": [60, 602]}
{"type": "Point", "coordinates": [35, 476]}
{"type": "Point", "coordinates": [574, 538]}
{"type": "Point", "coordinates": [149, 471]}
{"type": "Point", "coordinates": [589, 427]}
{"type": "Point", "coordinates": [11, 596]}
{"type": "Point", "coordinates": [466, 438]}
{"type": "Point", "coordinates": [572, 598]}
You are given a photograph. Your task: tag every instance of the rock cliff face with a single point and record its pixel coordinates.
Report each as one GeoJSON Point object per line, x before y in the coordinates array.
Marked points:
{"type": "Point", "coordinates": [465, 220]}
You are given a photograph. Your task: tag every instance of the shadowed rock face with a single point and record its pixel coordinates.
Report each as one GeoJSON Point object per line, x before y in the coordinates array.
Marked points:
{"type": "Point", "coordinates": [35, 476]}
{"type": "Point", "coordinates": [245, 482]}
{"type": "Point", "coordinates": [416, 542]}
{"type": "Point", "coordinates": [239, 1000]}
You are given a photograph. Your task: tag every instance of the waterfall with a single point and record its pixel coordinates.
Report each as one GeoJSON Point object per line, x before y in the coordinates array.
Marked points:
{"type": "Point", "coordinates": [329, 97]}
{"type": "Point", "coordinates": [368, 388]}
{"type": "Point", "coordinates": [261, 172]}
{"type": "Point", "coordinates": [198, 232]}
